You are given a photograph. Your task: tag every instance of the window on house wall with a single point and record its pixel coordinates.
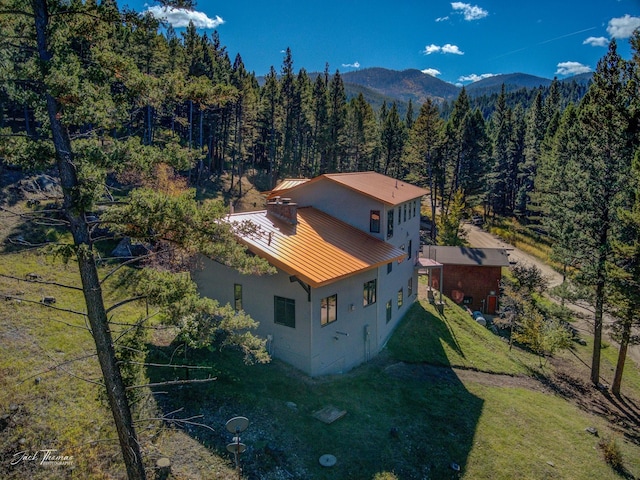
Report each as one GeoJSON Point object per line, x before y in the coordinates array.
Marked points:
{"type": "Point", "coordinates": [237, 297]}
{"type": "Point", "coordinates": [400, 297]}
{"type": "Point", "coordinates": [389, 267]}
{"type": "Point", "coordinates": [389, 311]}
{"type": "Point", "coordinates": [369, 292]}
{"type": "Point", "coordinates": [404, 208]}
{"type": "Point", "coordinates": [415, 204]}
{"type": "Point", "coordinates": [329, 310]}
{"type": "Point", "coordinates": [410, 287]}
{"type": "Point", "coordinates": [399, 215]}
{"type": "Point", "coordinates": [390, 223]}
{"type": "Point", "coordinates": [374, 221]}
{"type": "Point", "coordinates": [410, 247]}
{"type": "Point", "coordinates": [284, 311]}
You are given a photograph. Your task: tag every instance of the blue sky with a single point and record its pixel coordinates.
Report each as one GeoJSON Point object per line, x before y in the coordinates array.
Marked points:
{"type": "Point", "coordinates": [457, 42]}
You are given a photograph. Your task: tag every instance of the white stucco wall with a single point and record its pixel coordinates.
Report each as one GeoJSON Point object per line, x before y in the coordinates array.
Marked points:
{"type": "Point", "coordinates": [311, 347]}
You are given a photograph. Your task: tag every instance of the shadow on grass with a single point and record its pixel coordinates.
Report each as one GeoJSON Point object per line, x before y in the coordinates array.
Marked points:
{"type": "Point", "coordinates": [416, 422]}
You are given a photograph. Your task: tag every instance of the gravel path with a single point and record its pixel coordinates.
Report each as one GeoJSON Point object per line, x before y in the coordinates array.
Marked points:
{"type": "Point", "coordinates": [584, 320]}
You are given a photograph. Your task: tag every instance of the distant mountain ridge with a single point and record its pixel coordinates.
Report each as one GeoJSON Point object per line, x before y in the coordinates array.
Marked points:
{"type": "Point", "coordinates": [403, 85]}
{"type": "Point", "coordinates": [380, 84]}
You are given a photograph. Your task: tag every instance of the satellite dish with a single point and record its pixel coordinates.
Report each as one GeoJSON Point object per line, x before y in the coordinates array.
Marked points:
{"type": "Point", "coordinates": [236, 447]}
{"type": "Point", "coordinates": [237, 424]}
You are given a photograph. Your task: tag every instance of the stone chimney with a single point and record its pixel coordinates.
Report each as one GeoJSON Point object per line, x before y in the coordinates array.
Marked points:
{"type": "Point", "coordinates": [284, 209]}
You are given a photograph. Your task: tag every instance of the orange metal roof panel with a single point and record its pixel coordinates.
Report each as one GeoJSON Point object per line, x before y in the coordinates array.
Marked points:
{"type": "Point", "coordinates": [378, 186]}
{"type": "Point", "coordinates": [284, 185]}
{"type": "Point", "coordinates": [320, 249]}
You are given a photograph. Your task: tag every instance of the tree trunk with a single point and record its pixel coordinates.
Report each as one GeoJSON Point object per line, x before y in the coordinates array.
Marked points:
{"type": "Point", "coordinates": [597, 332]}
{"type": "Point", "coordinates": [96, 313]}
{"type": "Point", "coordinates": [622, 355]}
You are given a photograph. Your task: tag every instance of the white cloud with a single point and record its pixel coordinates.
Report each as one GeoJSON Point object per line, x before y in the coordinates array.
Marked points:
{"type": "Point", "coordinates": [442, 19]}
{"type": "Point", "coordinates": [596, 41]}
{"type": "Point", "coordinates": [447, 48]}
{"type": "Point", "coordinates": [623, 27]}
{"type": "Point", "coordinates": [180, 17]}
{"type": "Point", "coordinates": [431, 71]}
{"type": "Point", "coordinates": [572, 68]}
{"type": "Point", "coordinates": [429, 49]}
{"type": "Point", "coordinates": [470, 12]}
{"type": "Point", "coordinates": [351, 65]}
{"type": "Point", "coordinates": [474, 78]}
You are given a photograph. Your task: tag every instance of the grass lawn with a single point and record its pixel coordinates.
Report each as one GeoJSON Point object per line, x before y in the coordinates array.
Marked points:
{"type": "Point", "coordinates": [445, 391]}
{"type": "Point", "coordinates": [405, 415]}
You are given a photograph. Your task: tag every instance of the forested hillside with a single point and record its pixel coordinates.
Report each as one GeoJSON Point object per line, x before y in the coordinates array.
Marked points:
{"type": "Point", "coordinates": [129, 115]}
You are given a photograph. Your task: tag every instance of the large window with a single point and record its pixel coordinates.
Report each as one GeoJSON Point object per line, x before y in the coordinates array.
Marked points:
{"type": "Point", "coordinates": [369, 292]}
{"type": "Point", "coordinates": [390, 223]}
{"type": "Point", "coordinates": [284, 311]}
{"type": "Point", "coordinates": [374, 221]}
{"type": "Point", "coordinates": [237, 297]}
{"type": "Point", "coordinates": [329, 310]}
{"type": "Point", "coordinates": [400, 298]}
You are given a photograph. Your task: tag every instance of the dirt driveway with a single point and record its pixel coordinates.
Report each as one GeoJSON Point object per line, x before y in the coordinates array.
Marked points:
{"type": "Point", "coordinates": [478, 237]}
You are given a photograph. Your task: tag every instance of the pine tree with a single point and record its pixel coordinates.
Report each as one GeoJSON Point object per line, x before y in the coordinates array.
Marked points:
{"type": "Point", "coordinates": [624, 272]}
{"type": "Point", "coordinates": [501, 129]}
{"type": "Point", "coordinates": [603, 183]}
{"type": "Point", "coordinates": [337, 116]}
{"type": "Point", "coordinates": [535, 127]}
{"type": "Point", "coordinates": [392, 141]}
{"type": "Point", "coordinates": [424, 153]}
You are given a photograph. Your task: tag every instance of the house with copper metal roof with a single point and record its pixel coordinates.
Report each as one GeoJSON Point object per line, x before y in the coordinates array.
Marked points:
{"type": "Point", "coordinates": [345, 248]}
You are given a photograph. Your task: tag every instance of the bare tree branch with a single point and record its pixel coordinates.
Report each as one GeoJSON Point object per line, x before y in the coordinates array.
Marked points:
{"type": "Point", "coordinates": [124, 302]}
{"type": "Point", "coordinates": [186, 421]}
{"type": "Point", "coordinates": [84, 357]}
{"type": "Point", "coordinates": [127, 262]}
{"type": "Point", "coordinates": [13, 297]}
{"type": "Point", "coordinates": [173, 382]}
{"type": "Point", "coordinates": [42, 282]}
{"type": "Point", "coordinates": [71, 374]}
{"type": "Point", "coordinates": [167, 365]}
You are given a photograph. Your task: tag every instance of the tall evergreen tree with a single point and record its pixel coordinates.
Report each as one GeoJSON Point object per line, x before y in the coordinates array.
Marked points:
{"type": "Point", "coordinates": [535, 128]}
{"type": "Point", "coordinates": [392, 142]}
{"type": "Point", "coordinates": [337, 115]}
{"type": "Point", "coordinates": [501, 129]}
{"type": "Point", "coordinates": [424, 154]}
{"type": "Point", "coordinates": [604, 180]}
